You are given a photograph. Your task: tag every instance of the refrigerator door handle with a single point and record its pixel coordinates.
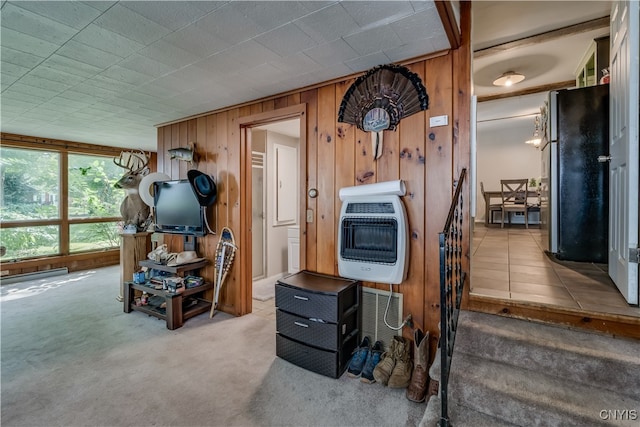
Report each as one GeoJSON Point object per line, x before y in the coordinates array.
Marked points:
{"type": "Point", "coordinates": [604, 159]}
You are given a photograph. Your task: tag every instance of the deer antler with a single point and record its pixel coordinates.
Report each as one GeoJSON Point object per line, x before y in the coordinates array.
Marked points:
{"type": "Point", "coordinates": [136, 161]}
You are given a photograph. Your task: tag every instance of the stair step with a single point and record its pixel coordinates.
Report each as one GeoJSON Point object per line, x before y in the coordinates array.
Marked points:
{"type": "Point", "coordinates": [530, 397]}
{"type": "Point", "coordinates": [583, 357]}
{"type": "Point", "coordinates": [459, 416]}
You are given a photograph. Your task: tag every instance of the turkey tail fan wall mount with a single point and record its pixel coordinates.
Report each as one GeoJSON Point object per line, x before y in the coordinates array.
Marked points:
{"type": "Point", "coordinates": [380, 98]}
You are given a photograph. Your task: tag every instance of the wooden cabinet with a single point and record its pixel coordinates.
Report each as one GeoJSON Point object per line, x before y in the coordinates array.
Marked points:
{"type": "Point", "coordinates": [173, 307]}
{"type": "Point", "coordinates": [317, 321]}
{"type": "Point", "coordinates": [595, 59]}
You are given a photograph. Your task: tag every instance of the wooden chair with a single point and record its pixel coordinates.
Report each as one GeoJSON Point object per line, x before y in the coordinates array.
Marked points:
{"type": "Point", "coordinates": [514, 199]}
{"type": "Point", "coordinates": [490, 208]}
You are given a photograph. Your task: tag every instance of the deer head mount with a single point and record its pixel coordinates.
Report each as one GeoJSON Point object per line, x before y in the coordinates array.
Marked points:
{"type": "Point", "coordinates": [133, 209]}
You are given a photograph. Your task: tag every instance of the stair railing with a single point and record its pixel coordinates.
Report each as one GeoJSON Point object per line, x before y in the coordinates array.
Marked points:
{"type": "Point", "coordinates": [452, 280]}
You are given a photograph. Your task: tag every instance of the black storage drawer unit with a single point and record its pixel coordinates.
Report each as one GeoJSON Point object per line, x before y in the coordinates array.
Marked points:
{"type": "Point", "coordinates": [324, 362]}
{"type": "Point", "coordinates": [317, 321]}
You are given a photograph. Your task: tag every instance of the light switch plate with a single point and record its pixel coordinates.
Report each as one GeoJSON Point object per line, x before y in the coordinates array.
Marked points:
{"type": "Point", "coordinates": [309, 215]}
{"type": "Point", "coordinates": [438, 121]}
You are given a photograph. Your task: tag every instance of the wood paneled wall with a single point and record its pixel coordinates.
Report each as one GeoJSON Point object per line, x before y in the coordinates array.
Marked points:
{"type": "Point", "coordinates": [339, 155]}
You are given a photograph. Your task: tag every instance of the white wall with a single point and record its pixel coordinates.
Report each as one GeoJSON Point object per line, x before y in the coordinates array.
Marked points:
{"type": "Point", "coordinates": [502, 154]}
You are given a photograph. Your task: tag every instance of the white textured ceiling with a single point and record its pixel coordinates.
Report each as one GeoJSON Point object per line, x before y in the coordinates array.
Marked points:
{"type": "Point", "coordinates": [106, 72]}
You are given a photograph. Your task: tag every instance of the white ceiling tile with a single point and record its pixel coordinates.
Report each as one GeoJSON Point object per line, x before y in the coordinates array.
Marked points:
{"type": "Point", "coordinates": [422, 5]}
{"type": "Point", "coordinates": [16, 18]}
{"type": "Point", "coordinates": [272, 14]}
{"type": "Point", "coordinates": [286, 39]}
{"type": "Point", "coordinates": [75, 96]}
{"type": "Point", "coordinates": [169, 14]}
{"type": "Point", "coordinates": [129, 24]}
{"type": "Point", "coordinates": [66, 104]}
{"type": "Point", "coordinates": [168, 85]}
{"type": "Point", "coordinates": [207, 6]}
{"type": "Point", "coordinates": [13, 70]}
{"type": "Point", "coordinates": [332, 53]}
{"type": "Point", "coordinates": [100, 5]}
{"type": "Point", "coordinates": [296, 63]}
{"type": "Point", "coordinates": [169, 54]}
{"type": "Point", "coordinates": [46, 84]}
{"type": "Point", "coordinates": [38, 92]}
{"type": "Point", "coordinates": [15, 102]}
{"type": "Point", "coordinates": [197, 41]}
{"type": "Point", "coordinates": [72, 13]}
{"type": "Point", "coordinates": [369, 14]}
{"type": "Point", "coordinates": [23, 93]}
{"type": "Point", "coordinates": [70, 66]}
{"type": "Point", "coordinates": [328, 24]}
{"type": "Point", "coordinates": [108, 41]}
{"type": "Point", "coordinates": [22, 59]}
{"type": "Point", "coordinates": [57, 76]}
{"type": "Point", "coordinates": [6, 80]}
{"type": "Point", "coordinates": [229, 23]}
{"type": "Point", "coordinates": [147, 66]}
{"type": "Point", "coordinates": [192, 75]}
{"type": "Point", "coordinates": [373, 40]}
{"type": "Point", "coordinates": [410, 50]}
{"type": "Point", "coordinates": [90, 89]}
{"type": "Point", "coordinates": [263, 73]}
{"type": "Point", "coordinates": [422, 25]}
{"type": "Point", "coordinates": [88, 54]}
{"type": "Point", "coordinates": [26, 43]}
{"type": "Point", "coordinates": [249, 54]}
{"type": "Point", "coordinates": [124, 75]}
{"type": "Point", "coordinates": [43, 113]}
{"type": "Point", "coordinates": [220, 64]}
{"type": "Point", "coordinates": [364, 63]}
{"type": "Point", "coordinates": [155, 89]}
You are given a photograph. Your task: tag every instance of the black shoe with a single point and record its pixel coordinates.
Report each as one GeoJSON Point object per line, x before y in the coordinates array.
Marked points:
{"type": "Point", "coordinates": [359, 358]}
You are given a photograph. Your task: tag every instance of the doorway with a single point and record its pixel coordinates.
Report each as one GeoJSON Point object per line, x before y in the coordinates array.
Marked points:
{"type": "Point", "coordinates": [275, 187]}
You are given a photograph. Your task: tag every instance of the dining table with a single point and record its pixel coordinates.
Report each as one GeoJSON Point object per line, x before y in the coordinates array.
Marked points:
{"type": "Point", "coordinates": [488, 195]}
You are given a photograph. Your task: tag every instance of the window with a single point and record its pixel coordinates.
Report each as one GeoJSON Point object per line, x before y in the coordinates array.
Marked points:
{"type": "Point", "coordinates": [35, 223]}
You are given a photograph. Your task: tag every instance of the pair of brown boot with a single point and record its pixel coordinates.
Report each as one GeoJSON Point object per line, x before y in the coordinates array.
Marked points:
{"type": "Point", "coordinates": [394, 369]}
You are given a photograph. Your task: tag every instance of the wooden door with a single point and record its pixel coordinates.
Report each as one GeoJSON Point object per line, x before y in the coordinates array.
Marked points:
{"type": "Point", "coordinates": [623, 168]}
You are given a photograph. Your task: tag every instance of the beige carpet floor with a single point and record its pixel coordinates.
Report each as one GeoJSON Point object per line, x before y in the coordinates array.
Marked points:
{"type": "Point", "coordinates": [70, 356]}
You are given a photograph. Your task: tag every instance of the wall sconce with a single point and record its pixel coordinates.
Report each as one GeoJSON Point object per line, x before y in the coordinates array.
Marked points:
{"type": "Point", "coordinates": [535, 140]}
{"type": "Point", "coordinates": [509, 78]}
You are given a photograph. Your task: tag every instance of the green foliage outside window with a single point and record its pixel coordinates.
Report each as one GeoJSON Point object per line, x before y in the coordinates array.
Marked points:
{"type": "Point", "coordinates": [31, 191]}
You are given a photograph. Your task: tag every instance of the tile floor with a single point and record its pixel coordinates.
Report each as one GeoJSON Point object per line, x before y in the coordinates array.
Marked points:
{"type": "Point", "coordinates": [509, 263]}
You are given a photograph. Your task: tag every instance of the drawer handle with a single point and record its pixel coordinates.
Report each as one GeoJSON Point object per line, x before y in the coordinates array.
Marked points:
{"type": "Point", "coordinates": [301, 324]}
{"type": "Point", "coordinates": [302, 298]}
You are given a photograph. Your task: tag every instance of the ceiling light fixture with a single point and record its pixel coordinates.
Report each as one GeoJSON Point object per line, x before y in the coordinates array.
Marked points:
{"type": "Point", "coordinates": [536, 140]}
{"type": "Point", "coordinates": [509, 78]}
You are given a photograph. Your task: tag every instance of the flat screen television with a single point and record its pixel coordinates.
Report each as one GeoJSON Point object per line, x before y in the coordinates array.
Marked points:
{"type": "Point", "coordinates": [177, 209]}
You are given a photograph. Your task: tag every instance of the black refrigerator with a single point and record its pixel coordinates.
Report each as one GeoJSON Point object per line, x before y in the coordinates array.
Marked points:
{"type": "Point", "coordinates": [575, 184]}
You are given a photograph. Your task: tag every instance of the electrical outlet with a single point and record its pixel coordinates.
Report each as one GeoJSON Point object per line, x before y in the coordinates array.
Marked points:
{"type": "Point", "coordinates": [309, 215]}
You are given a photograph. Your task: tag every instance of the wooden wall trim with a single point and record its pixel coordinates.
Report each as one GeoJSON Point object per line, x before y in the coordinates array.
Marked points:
{"type": "Point", "coordinates": [447, 16]}
{"type": "Point", "coordinates": [34, 142]}
{"type": "Point", "coordinates": [245, 123]}
{"type": "Point", "coordinates": [611, 324]}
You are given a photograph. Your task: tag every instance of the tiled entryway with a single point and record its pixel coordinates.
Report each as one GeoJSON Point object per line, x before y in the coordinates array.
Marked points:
{"type": "Point", "coordinates": [509, 263]}
{"type": "Point", "coordinates": [266, 309]}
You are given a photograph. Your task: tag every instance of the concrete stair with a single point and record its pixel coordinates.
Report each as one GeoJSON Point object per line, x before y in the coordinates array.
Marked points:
{"type": "Point", "coordinates": [513, 372]}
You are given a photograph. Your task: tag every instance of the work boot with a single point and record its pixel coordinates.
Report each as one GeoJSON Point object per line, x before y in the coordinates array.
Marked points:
{"type": "Point", "coordinates": [383, 369]}
{"type": "Point", "coordinates": [401, 374]}
{"type": "Point", "coordinates": [417, 390]}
